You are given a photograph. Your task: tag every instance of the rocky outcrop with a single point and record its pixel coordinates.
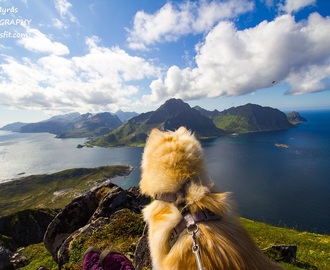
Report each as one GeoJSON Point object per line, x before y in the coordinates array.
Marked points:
{"type": "Point", "coordinates": [5, 256]}
{"type": "Point", "coordinates": [96, 211]}
{"type": "Point", "coordinates": [20, 230]}
{"type": "Point", "coordinates": [25, 227]}
{"type": "Point", "coordinates": [63, 253]}
{"type": "Point", "coordinates": [295, 118]}
{"type": "Point", "coordinates": [142, 253]}
{"type": "Point", "coordinates": [89, 213]}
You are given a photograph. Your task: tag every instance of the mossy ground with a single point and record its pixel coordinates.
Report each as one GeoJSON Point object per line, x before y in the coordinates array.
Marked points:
{"type": "Point", "coordinates": [313, 249]}
{"type": "Point", "coordinates": [122, 235]}
{"type": "Point", "coordinates": [53, 190]}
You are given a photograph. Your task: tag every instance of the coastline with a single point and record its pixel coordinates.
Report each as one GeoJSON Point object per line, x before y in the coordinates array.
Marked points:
{"type": "Point", "coordinates": [36, 191]}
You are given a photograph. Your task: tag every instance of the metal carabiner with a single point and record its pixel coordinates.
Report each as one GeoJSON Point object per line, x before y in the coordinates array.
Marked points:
{"type": "Point", "coordinates": [193, 229]}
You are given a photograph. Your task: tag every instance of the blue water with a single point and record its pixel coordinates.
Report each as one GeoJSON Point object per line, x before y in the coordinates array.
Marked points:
{"type": "Point", "coordinates": [287, 187]}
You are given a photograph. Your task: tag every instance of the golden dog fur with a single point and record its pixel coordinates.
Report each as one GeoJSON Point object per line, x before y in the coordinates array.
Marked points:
{"type": "Point", "coordinates": [169, 160]}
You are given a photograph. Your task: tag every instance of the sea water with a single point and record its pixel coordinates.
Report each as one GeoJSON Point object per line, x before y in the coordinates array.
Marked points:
{"type": "Point", "coordinates": [281, 186]}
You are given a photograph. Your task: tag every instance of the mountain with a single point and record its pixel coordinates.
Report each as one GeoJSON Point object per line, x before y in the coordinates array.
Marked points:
{"type": "Point", "coordinates": [89, 125]}
{"type": "Point", "coordinates": [14, 127]}
{"type": "Point", "coordinates": [74, 125]}
{"type": "Point", "coordinates": [295, 118]}
{"type": "Point", "coordinates": [125, 116]}
{"type": "Point", "coordinates": [69, 117]}
{"type": "Point", "coordinates": [55, 125]}
{"type": "Point", "coordinates": [250, 118]}
{"type": "Point", "coordinates": [207, 113]}
{"type": "Point", "coordinates": [169, 116]}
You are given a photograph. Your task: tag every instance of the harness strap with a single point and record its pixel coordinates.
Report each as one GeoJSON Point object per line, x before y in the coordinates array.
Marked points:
{"type": "Point", "coordinates": [172, 196]}
{"type": "Point", "coordinates": [167, 197]}
{"type": "Point", "coordinates": [190, 219]}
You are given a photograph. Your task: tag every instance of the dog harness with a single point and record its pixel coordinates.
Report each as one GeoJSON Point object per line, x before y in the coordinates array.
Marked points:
{"type": "Point", "coordinates": [188, 221]}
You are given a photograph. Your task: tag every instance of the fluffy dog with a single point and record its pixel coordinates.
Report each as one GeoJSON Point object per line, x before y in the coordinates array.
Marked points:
{"type": "Point", "coordinates": [173, 167]}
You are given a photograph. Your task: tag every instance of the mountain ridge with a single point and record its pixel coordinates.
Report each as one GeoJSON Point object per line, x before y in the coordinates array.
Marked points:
{"type": "Point", "coordinates": [250, 118]}
{"type": "Point", "coordinates": [129, 128]}
{"type": "Point", "coordinates": [74, 125]}
{"type": "Point", "coordinates": [169, 116]}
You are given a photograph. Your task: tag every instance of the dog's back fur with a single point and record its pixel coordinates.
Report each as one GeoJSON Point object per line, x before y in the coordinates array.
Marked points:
{"type": "Point", "coordinates": [170, 159]}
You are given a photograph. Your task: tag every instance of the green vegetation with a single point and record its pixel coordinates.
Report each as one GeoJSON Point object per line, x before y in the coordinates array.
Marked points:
{"type": "Point", "coordinates": [37, 255]}
{"type": "Point", "coordinates": [313, 249]}
{"type": "Point", "coordinates": [122, 235]}
{"type": "Point", "coordinates": [205, 124]}
{"type": "Point", "coordinates": [125, 230]}
{"type": "Point", "coordinates": [295, 118]}
{"type": "Point", "coordinates": [132, 133]}
{"type": "Point", "coordinates": [85, 132]}
{"type": "Point", "coordinates": [232, 123]}
{"type": "Point", "coordinates": [53, 190]}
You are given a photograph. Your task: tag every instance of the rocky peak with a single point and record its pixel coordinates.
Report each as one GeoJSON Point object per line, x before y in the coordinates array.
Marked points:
{"type": "Point", "coordinates": [295, 118]}
{"type": "Point", "coordinates": [169, 109]}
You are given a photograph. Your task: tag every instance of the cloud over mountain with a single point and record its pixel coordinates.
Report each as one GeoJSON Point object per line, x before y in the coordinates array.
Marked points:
{"type": "Point", "coordinates": [171, 21]}
{"type": "Point", "coordinates": [105, 55]}
{"type": "Point", "coordinates": [232, 62]}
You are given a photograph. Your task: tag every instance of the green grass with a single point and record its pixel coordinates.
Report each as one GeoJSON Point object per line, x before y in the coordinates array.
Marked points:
{"type": "Point", "coordinates": [313, 249]}
{"type": "Point", "coordinates": [231, 123]}
{"type": "Point", "coordinates": [39, 191]}
{"type": "Point", "coordinates": [37, 255]}
{"type": "Point", "coordinates": [123, 234]}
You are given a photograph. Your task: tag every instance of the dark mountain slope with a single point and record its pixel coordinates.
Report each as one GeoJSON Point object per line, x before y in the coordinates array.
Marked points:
{"type": "Point", "coordinates": [251, 117]}
{"type": "Point", "coordinates": [169, 116]}
{"type": "Point", "coordinates": [88, 125]}
{"type": "Point", "coordinates": [295, 118]}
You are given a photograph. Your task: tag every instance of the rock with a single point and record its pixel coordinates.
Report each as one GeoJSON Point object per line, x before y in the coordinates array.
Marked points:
{"type": "Point", "coordinates": [18, 260]}
{"type": "Point", "coordinates": [5, 255]}
{"type": "Point", "coordinates": [63, 253]}
{"type": "Point", "coordinates": [295, 118]}
{"type": "Point", "coordinates": [113, 200]}
{"type": "Point", "coordinates": [26, 227]}
{"type": "Point", "coordinates": [74, 216]}
{"type": "Point", "coordinates": [139, 199]}
{"type": "Point", "coordinates": [85, 213]}
{"type": "Point", "coordinates": [142, 257]}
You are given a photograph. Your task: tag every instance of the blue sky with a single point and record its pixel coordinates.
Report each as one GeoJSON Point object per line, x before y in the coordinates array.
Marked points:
{"type": "Point", "coordinates": [60, 56]}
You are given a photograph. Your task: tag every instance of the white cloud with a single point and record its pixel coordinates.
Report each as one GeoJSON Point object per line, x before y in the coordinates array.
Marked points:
{"type": "Point", "coordinates": [58, 24]}
{"type": "Point", "coordinates": [100, 80]}
{"type": "Point", "coordinates": [233, 62]}
{"type": "Point", "coordinates": [296, 5]}
{"type": "Point", "coordinates": [173, 21]}
{"type": "Point", "coordinates": [63, 7]}
{"type": "Point", "coordinates": [36, 41]}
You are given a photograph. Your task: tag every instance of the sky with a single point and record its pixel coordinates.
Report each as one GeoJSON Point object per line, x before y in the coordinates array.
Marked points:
{"type": "Point", "coordinates": [62, 56]}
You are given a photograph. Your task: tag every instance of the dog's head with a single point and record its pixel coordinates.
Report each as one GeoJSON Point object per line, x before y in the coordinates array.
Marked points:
{"type": "Point", "coordinates": [169, 160]}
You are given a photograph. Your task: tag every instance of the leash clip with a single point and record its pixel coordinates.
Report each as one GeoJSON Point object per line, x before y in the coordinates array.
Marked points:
{"type": "Point", "coordinates": [193, 229]}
